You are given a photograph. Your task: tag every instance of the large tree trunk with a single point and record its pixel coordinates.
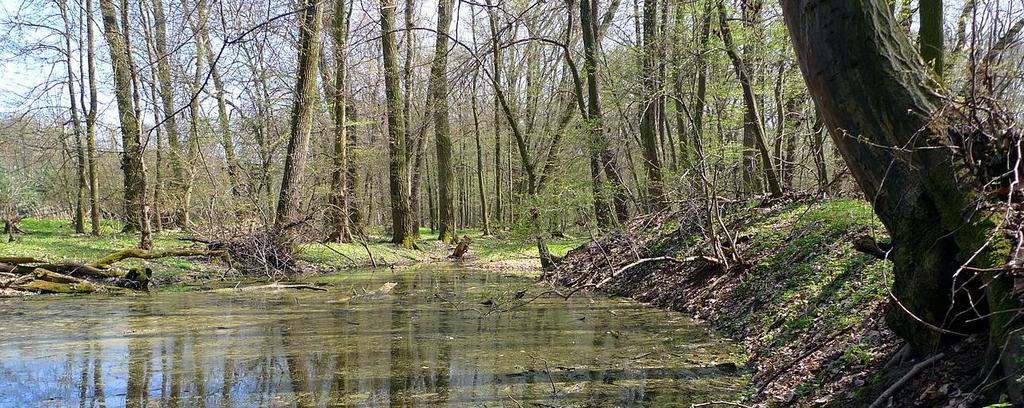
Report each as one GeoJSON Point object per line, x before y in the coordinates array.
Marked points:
{"type": "Point", "coordinates": [439, 107]}
{"type": "Point", "coordinates": [900, 156]}
{"type": "Point", "coordinates": [340, 231]}
{"type": "Point", "coordinates": [650, 115]}
{"type": "Point", "coordinates": [288, 204]}
{"type": "Point", "coordinates": [131, 158]}
{"type": "Point", "coordinates": [398, 169]}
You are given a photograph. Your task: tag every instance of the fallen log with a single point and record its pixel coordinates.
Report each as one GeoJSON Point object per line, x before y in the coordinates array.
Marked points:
{"type": "Point", "coordinates": [108, 261]}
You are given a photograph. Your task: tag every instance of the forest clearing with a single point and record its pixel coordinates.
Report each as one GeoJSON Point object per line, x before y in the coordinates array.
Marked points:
{"type": "Point", "coordinates": [695, 203]}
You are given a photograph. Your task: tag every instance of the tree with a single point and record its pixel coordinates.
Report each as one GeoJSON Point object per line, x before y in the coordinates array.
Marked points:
{"type": "Point", "coordinates": [132, 165]}
{"type": "Point", "coordinates": [340, 231]}
{"type": "Point", "coordinates": [931, 37]}
{"type": "Point", "coordinates": [76, 124]}
{"type": "Point", "coordinates": [650, 109]}
{"type": "Point", "coordinates": [752, 122]}
{"type": "Point", "coordinates": [398, 167]}
{"type": "Point", "coordinates": [289, 201]}
{"type": "Point", "coordinates": [438, 93]}
{"type": "Point", "coordinates": [918, 185]}
{"type": "Point", "coordinates": [90, 122]}
{"type": "Point", "coordinates": [170, 121]}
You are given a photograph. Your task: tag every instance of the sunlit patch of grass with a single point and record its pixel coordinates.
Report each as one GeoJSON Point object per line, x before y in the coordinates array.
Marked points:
{"type": "Point", "coordinates": [55, 241]}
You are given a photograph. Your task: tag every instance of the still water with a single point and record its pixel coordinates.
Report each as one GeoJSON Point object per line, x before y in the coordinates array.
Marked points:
{"type": "Point", "coordinates": [414, 337]}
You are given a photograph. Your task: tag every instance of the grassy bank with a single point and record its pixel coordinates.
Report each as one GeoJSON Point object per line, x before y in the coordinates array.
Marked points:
{"type": "Point", "coordinates": [55, 241]}
{"type": "Point", "coordinates": [808, 307]}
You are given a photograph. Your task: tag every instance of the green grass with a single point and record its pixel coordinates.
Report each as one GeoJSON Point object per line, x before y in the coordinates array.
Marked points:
{"type": "Point", "coordinates": [483, 250]}
{"type": "Point", "coordinates": [55, 241]}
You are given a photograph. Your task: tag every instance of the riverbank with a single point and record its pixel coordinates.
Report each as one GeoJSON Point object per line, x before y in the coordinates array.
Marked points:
{"type": "Point", "coordinates": [54, 241]}
{"type": "Point", "coordinates": [807, 306]}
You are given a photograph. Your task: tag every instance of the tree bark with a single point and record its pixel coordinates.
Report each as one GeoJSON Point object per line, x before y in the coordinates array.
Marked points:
{"type": "Point", "coordinates": [90, 122]}
{"type": "Point", "coordinates": [340, 231]}
{"type": "Point", "coordinates": [290, 199]}
{"type": "Point", "coordinates": [131, 158]}
{"type": "Point", "coordinates": [446, 229]}
{"type": "Point", "coordinates": [900, 157]}
{"type": "Point", "coordinates": [650, 114]}
{"type": "Point", "coordinates": [398, 168]}
{"type": "Point", "coordinates": [76, 124]}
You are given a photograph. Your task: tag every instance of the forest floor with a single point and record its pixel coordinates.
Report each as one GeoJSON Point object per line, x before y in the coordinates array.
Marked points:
{"type": "Point", "coordinates": [808, 308]}
{"type": "Point", "coordinates": [54, 241]}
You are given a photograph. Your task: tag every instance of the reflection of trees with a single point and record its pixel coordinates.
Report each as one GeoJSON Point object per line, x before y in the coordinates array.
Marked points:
{"type": "Point", "coordinates": [140, 356]}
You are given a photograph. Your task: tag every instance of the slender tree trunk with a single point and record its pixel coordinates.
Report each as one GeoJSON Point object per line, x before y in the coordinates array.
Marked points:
{"type": "Point", "coordinates": [76, 124]}
{"type": "Point", "coordinates": [224, 125]}
{"type": "Point", "coordinates": [752, 116]}
{"type": "Point", "coordinates": [290, 199]}
{"type": "Point", "coordinates": [447, 231]}
{"type": "Point", "coordinates": [496, 80]}
{"type": "Point", "coordinates": [401, 216]}
{"type": "Point", "coordinates": [818, 150]}
{"type": "Point", "coordinates": [90, 122]}
{"type": "Point", "coordinates": [484, 214]}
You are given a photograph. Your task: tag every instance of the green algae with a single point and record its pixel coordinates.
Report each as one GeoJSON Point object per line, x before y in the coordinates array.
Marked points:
{"type": "Point", "coordinates": [428, 341]}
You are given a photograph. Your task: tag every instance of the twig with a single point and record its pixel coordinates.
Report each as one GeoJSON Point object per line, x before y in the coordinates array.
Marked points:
{"type": "Point", "coordinates": [713, 403]}
{"type": "Point", "coordinates": [914, 371]}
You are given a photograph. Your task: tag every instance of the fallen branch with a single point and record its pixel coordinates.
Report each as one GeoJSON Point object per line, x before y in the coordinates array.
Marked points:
{"type": "Point", "coordinates": [108, 261]}
{"type": "Point", "coordinates": [272, 286]}
{"type": "Point", "coordinates": [914, 371]}
{"type": "Point", "coordinates": [623, 269]}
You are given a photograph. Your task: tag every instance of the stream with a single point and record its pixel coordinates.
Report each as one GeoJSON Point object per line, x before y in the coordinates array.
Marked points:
{"type": "Point", "coordinates": [423, 336]}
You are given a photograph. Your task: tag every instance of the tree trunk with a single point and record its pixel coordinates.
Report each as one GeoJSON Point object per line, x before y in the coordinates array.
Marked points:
{"type": "Point", "coordinates": [224, 126]}
{"type": "Point", "coordinates": [340, 231]}
{"type": "Point", "coordinates": [76, 124]}
{"type": "Point", "coordinates": [131, 158]}
{"type": "Point", "coordinates": [496, 80]}
{"type": "Point", "coordinates": [90, 123]}
{"type": "Point", "coordinates": [650, 115]}
{"type": "Point", "coordinates": [290, 199]}
{"type": "Point", "coordinates": [484, 214]}
{"type": "Point", "coordinates": [900, 157]}
{"type": "Point", "coordinates": [446, 231]}
{"type": "Point", "coordinates": [167, 99]}
{"type": "Point", "coordinates": [931, 36]}
{"type": "Point", "coordinates": [752, 118]}
{"type": "Point", "coordinates": [398, 169]}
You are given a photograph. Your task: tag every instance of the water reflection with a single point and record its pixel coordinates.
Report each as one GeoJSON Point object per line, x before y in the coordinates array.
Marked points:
{"type": "Point", "coordinates": [416, 346]}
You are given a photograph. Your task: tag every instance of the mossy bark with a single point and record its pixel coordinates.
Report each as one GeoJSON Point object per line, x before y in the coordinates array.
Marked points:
{"type": "Point", "coordinates": [894, 139]}
{"type": "Point", "coordinates": [398, 167]}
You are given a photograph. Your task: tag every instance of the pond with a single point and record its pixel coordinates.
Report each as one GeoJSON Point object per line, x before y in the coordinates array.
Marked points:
{"type": "Point", "coordinates": [424, 336]}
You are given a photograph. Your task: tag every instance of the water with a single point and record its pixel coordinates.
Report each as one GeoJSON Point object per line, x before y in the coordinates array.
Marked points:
{"type": "Point", "coordinates": [427, 342]}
